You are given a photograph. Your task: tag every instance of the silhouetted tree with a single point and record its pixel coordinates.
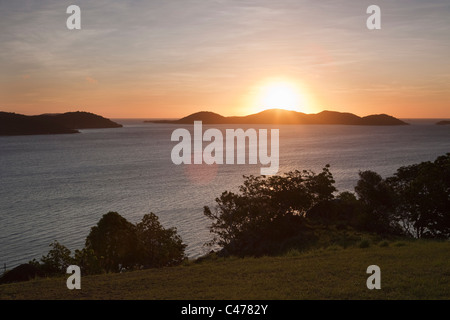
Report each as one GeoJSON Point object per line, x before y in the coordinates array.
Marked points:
{"type": "Point", "coordinates": [343, 211]}
{"type": "Point", "coordinates": [56, 261]}
{"type": "Point", "coordinates": [114, 242]}
{"type": "Point", "coordinates": [159, 247]}
{"type": "Point", "coordinates": [268, 212]}
{"type": "Point", "coordinates": [423, 197]}
{"type": "Point", "coordinates": [378, 203]}
{"type": "Point", "coordinates": [88, 261]}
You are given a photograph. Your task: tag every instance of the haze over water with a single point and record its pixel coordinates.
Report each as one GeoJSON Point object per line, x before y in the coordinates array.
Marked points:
{"type": "Point", "coordinates": [57, 187]}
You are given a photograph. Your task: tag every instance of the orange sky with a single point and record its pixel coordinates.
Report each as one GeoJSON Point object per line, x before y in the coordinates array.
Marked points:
{"type": "Point", "coordinates": [169, 59]}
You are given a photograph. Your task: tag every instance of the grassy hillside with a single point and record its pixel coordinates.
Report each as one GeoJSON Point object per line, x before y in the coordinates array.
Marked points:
{"type": "Point", "coordinates": [409, 270]}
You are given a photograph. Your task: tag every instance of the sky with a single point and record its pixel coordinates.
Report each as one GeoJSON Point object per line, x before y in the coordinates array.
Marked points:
{"type": "Point", "coordinates": [170, 58]}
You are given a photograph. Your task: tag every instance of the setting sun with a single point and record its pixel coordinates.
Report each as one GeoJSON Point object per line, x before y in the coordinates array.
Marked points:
{"type": "Point", "coordinates": [281, 95]}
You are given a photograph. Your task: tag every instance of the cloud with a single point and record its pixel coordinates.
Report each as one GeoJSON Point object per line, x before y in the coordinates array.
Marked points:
{"type": "Point", "coordinates": [91, 80]}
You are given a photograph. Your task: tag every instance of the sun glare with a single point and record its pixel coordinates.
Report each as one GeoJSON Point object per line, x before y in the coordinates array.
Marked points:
{"type": "Point", "coordinates": [280, 95]}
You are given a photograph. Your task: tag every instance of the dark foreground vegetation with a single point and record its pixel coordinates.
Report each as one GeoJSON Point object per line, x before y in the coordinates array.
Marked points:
{"type": "Point", "coordinates": [273, 216]}
{"type": "Point", "coordinates": [113, 245]}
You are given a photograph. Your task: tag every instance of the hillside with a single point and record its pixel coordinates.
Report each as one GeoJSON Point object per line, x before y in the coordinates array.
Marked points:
{"type": "Point", "coordinates": [279, 116]}
{"type": "Point", "coordinates": [83, 120]}
{"type": "Point", "coordinates": [409, 270]}
{"type": "Point", "coordinates": [17, 124]}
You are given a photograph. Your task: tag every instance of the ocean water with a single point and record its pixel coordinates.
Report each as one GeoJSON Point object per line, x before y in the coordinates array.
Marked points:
{"type": "Point", "coordinates": [57, 187]}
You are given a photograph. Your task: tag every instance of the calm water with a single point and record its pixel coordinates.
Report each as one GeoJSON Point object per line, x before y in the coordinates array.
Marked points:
{"type": "Point", "coordinates": [58, 187]}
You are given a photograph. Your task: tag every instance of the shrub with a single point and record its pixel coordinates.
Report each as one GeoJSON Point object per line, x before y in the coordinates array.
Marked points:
{"type": "Point", "coordinates": [384, 244]}
{"type": "Point", "coordinates": [364, 244]}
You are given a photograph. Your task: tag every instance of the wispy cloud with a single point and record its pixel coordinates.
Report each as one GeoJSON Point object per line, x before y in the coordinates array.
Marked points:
{"type": "Point", "coordinates": [91, 80]}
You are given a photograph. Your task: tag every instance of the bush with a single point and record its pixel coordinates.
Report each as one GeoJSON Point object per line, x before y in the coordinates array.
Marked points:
{"type": "Point", "coordinates": [399, 244]}
{"type": "Point", "coordinates": [364, 244]}
{"type": "Point", "coordinates": [56, 261]}
{"type": "Point", "coordinates": [384, 244]}
{"type": "Point", "coordinates": [88, 261]}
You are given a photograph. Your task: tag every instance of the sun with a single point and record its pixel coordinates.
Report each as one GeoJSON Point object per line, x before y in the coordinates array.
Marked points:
{"type": "Point", "coordinates": [281, 95]}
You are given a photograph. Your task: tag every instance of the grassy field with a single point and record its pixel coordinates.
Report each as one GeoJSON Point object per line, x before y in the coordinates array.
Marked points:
{"type": "Point", "coordinates": [409, 270]}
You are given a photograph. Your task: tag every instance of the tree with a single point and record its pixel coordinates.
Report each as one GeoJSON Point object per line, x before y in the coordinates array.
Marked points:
{"type": "Point", "coordinates": [56, 261]}
{"type": "Point", "coordinates": [114, 243]}
{"type": "Point", "coordinates": [158, 247]}
{"type": "Point", "coordinates": [423, 197]}
{"type": "Point", "coordinates": [268, 212]}
{"type": "Point", "coordinates": [343, 211]}
{"type": "Point", "coordinates": [378, 202]}
{"type": "Point", "coordinates": [88, 261]}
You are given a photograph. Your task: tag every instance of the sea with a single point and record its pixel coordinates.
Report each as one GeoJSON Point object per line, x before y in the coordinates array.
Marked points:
{"type": "Point", "coordinates": [57, 187]}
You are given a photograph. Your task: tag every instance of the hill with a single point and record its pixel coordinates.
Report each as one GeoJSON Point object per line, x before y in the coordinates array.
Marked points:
{"type": "Point", "coordinates": [279, 116]}
{"type": "Point", "coordinates": [381, 119]}
{"type": "Point", "coordinates": [18, 124]}
{"type": "Point", "coordinates": [210, 117]}
{"type": "Point", "coordinates": [443, 123]}
{"type": "Point", "coordinates": [329, 273]}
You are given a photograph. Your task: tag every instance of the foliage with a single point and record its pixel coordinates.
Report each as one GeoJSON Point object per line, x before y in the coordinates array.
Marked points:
{"type": "Point", "coordinates": [364, 244]}
{"type": "Point", "coordinates": [415, 200]}
{"type": "Point", "coordinates": [114, 242]}
{"type": "Point", "coordinates": [377, 200]}
{"type": "Point", "coordinates": [268, 215]}
{"type": "Point", "coordinates": [343, 211]}
{"type": "Point", "coordinates": [159, 247]}
{"type": "Point", "coordinates": [274, 214]}
{"type": "Point", "coordinates": [57, 260]}
{"type": "Point", "coordinates": [88, 261]}
{"type": "Point", "coordinates": [423, 198]}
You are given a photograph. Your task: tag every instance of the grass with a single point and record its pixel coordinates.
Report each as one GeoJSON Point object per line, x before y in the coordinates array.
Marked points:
{"type": "Point", "coordinates": [412, 270]}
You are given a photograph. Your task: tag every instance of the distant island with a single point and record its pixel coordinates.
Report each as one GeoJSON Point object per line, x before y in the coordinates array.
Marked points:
{"type": "Point", "coordinates": [443, 123]}
{"type": "Point", "coordinates": [280, 116]}
{"type": "Point", "coordinates": [12, 124]}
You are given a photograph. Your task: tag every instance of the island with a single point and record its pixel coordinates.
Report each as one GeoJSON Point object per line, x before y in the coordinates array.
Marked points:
{"type": "Point", "coordinates": [443, 123]}
{"type": "Point", "coordinates": [12, 124]}
{"type": "Point", "coordinates": [280, 116]}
